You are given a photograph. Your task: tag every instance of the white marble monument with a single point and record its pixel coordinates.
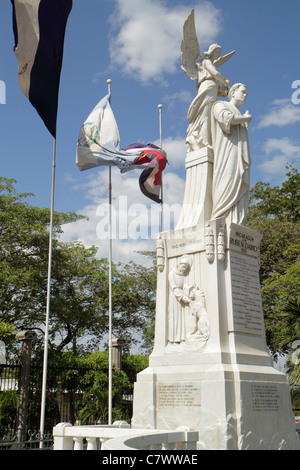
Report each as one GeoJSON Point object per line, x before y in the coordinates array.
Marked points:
{"type": "Point", "coordinates": [210, 369]}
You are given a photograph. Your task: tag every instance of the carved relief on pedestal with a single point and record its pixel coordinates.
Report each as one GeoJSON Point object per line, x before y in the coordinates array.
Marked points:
{"type": "Point", "coordinates": [188, 322]}
{"type": "Point", "coordinates": [160, 255]}
{"type": "Point", "coordinates": [209, 243]}
{"type": "Point", "coordinates": [221, 248]}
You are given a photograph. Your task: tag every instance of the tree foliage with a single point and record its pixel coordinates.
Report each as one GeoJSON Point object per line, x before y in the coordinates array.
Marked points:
{"type": "Point", "coordinates": [89, 372]}
{"type": "Point", "coordinates": [79, 283]}
{"type": "Point", "coordinates": [275, 212]}
{"type": "Point", "coordinates": [24, 245]}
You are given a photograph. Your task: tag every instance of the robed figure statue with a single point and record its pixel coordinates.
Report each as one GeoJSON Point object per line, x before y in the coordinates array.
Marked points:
{"type": "Point", "coordinates": [218, 125]}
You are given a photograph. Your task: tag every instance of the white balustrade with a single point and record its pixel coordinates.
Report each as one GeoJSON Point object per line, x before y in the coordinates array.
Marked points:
{"type": "Point", "coordinates": [157, 440]}
{"type": "Point", "coordinates": [120, 436]}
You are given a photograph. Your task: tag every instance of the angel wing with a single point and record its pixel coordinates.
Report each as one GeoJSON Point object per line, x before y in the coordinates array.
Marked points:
{"type": "Point", "coordinates": [190, 49]}
{"type": "Point", "coordinates": [222, 60]}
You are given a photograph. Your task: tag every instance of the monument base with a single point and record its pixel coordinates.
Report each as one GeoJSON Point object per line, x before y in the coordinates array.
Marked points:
{"type": "Point", "coordinates": [232, 408]}
{"type": "Point", "coordinates": [210, 370]}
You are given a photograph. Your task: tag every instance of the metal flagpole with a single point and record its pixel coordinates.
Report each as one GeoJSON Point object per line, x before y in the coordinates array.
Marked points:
{"type": "Point", "coordinates": [109, 82]}
{"type": "Point", "coordinates": [160, 106]}
{"type": "Point", "coordinates": [46, 338]}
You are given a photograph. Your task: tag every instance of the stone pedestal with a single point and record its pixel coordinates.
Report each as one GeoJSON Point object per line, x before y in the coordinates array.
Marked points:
{"type": "Point", "coordinates": [197, 201]}
{"type": "Point", "coordinates": [210, 369]}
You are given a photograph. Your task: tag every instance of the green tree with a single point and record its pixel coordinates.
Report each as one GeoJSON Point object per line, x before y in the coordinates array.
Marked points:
{"type": "Point", "coordinates": [289, 338]}
{"type": "Point", "coordinates": [24, 245]}
{"type": "Point", "coordinates": [275, 212]}
{"type": "Point", "coordinates": [6, 330]}
{"type": "Point", "coordinates": [78, 296]}
{"type": "Point", "coordinates": [93, 406]}
{"type": "Point", "coordinates": [79, 284]}
{"type": "Point", "coordinates": [134, 302]}
{"type": "Point", "coordinates": [80, 299]}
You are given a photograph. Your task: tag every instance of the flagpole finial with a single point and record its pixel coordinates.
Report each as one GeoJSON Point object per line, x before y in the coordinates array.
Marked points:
{"type": "Point", "coordinates": [160, 106]}
{"type": "Point", "coordinates": [109, 82]}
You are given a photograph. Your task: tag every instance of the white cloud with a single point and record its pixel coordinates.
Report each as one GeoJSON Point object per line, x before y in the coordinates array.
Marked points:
{"type": "Point", "coordinates": [275, 166]}
{"type": "Point", "coordinates": [182, 96]}
{"type": "Point", "coordinates": [135, 218]}
{"type": "Point", "coordinates": [176, 152]}
{"type": "Point", "coordinates": [283, 112]}
{"type": "Point", "coordinates": [146, 37]}
{"type": "Point", "coordinates": [284, 146]}
{"type": "Point", "coordinates": [280, 153]}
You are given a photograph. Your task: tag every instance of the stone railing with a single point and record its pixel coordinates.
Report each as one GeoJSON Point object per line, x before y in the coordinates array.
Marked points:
{"type": "Point", "coordinates": [158, 440]}
{"type": "Point", "coordinates": [120, 436]}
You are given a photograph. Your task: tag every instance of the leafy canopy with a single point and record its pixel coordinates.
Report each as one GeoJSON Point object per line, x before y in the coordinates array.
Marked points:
{"type": "Point", "coordinates": [275, 212]}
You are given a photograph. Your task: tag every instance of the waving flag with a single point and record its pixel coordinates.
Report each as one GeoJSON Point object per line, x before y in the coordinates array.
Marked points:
{"type": "Point", "coordinates": [99, 145]}
{"type": "Point", "coordinates": [39, 30]}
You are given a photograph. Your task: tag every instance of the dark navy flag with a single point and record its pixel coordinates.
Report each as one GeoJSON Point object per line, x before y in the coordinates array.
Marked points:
{"type": "Point", "coordinates": [39, 30]}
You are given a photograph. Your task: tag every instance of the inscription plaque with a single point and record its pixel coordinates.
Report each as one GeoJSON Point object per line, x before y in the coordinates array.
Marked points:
{"type": "Point", "coordinates": [265, 397]}
{"type": "Point", "coordinates": [244, 240]}
{"type": "Point", "coordinates": [192, 242]}
{"type": "Point", "coordinates": [246, 295]}
{"type": "Point", "coordinates": [179, 395]}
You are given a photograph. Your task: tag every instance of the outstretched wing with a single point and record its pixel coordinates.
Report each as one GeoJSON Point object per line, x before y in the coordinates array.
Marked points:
{"type": "Point", "coordinates": [190, 49]}
{"type": "Point", "coordinates": [223, 59]}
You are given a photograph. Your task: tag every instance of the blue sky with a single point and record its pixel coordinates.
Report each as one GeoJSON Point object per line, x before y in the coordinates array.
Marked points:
{"type": "Point", "coordinates": [136, 43]}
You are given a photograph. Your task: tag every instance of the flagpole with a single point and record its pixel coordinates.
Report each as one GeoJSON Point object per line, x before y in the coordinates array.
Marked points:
{"type": "Point", "coordinates": [160, 107]}
{"type": "Point", "coordinates": [46, 338]}
{"type": "Point", "coordinates": [109, 82]}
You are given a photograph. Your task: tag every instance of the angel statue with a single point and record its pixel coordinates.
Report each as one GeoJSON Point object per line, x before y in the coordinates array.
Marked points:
{"type": "Point", "coordinates": [210, 83]}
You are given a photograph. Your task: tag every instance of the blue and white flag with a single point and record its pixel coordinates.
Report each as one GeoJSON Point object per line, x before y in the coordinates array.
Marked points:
{"type": "Point", "coordinates": [99, 145]}
{"type": "Point", "coordinates": [39, 30]}
{"type": "Point", "coordinates": [99, 140]}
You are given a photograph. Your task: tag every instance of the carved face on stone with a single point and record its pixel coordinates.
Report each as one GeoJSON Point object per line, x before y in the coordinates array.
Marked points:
{"type": "Point", "coordinates": [239, 95]}
{"type": "Point", "coordinates": [184, 266]}
{"type": "Point", "coordinates": [214, 52]}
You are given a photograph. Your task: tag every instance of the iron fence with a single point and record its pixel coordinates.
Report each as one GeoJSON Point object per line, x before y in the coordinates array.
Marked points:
{"type": "Point", "coordinates": [70, 398]}
{"type": "Point", "coordinates": [33, 441]}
